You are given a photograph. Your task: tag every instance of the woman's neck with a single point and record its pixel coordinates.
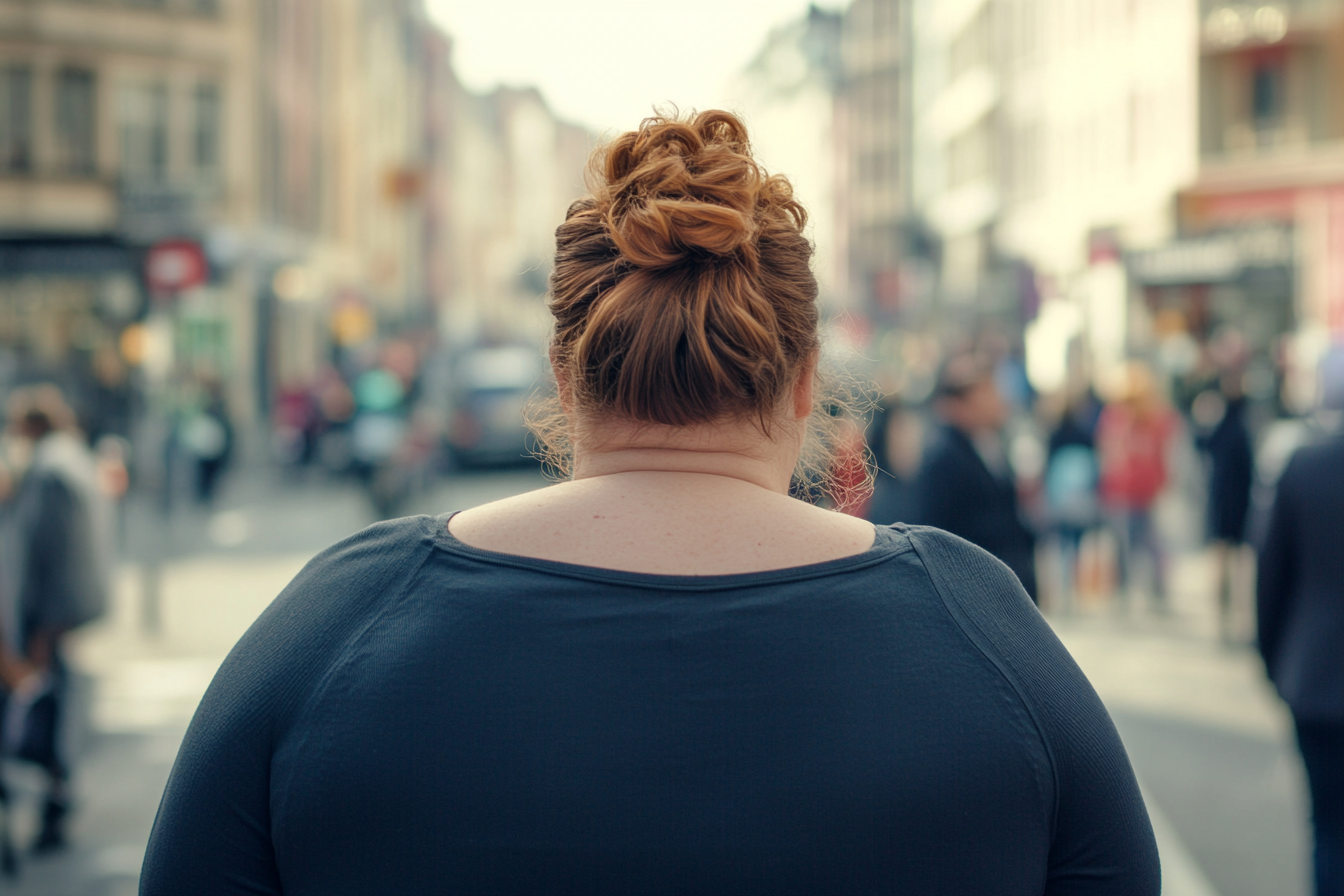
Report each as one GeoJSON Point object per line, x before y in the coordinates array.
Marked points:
{"type": "Point", "coordinates": [764, 472]}
{"type": "Point", "coordinates": [733, 450]}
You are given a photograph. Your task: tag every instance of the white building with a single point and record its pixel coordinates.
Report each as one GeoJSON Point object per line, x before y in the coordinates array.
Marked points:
{"type": "Point", "coordinates": [1099, 122]}
{"type": "Point", "coordinates": [956, 125]}
{"type": "Point", "coordinates": [788, 96]}
{"type": "Point", "coordinates": [1054, 133]}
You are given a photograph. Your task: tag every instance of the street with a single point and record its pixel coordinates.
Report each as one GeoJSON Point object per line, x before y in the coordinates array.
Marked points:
{"type": "Point", "coordinates": [1211, 744]}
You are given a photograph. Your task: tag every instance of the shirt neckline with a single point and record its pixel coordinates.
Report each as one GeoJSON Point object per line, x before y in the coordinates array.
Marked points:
{"type": "Point", "coordinates": [888, 542]}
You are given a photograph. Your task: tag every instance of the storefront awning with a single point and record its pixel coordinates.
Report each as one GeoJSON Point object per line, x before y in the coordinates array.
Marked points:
{"type": "Point", "coordinates": [24, 256]}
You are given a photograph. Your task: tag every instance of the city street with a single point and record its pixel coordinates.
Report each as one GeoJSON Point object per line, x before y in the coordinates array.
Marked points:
{"type": "Point", "coordinates": [1209, 741]}
{"type": "Point", "coordinates": [1060, 266]}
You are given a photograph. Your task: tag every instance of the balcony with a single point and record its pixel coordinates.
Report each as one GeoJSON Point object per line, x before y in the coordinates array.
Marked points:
{"type": "Point", "coordinates": [1226, 26]}
{"type": "Point", "coordinates": [53, 204]}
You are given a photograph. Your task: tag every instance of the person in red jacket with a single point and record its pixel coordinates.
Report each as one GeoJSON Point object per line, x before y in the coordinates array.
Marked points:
{"type": "Point", "coordinates": [1133, 436]}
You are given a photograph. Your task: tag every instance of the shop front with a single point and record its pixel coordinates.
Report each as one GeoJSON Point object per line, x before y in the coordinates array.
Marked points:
{"type": "Point", "coordinates": [1223, 298]}
{"type": "Point", "coordinates": [65, 304]}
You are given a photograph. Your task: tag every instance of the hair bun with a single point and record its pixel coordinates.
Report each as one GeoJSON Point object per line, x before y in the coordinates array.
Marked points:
{"type": "Point", "coordinates": [680, 189]}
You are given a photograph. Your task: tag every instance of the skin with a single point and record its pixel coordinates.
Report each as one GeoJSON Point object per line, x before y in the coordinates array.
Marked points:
{"type": "Point", "coordinates": [696, 500]}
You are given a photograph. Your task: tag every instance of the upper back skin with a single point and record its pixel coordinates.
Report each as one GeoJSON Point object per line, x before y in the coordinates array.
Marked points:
{"type": "Point", "coordinates": [663, 523]}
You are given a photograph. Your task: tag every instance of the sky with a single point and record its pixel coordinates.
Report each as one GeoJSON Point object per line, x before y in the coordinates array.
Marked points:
{"type": "Point", "coordinates": [605, 63]}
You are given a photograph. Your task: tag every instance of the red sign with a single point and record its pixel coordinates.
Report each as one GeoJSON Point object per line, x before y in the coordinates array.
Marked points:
{"type": "Point", "coordinates": [1211, 209]}
{"type": "Point", "coordinates": [1334, 263]}
{"type": "Point", "coordinates": [175, 265]}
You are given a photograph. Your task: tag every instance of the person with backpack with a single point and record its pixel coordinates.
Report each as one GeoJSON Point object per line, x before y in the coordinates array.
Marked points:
{"type": "Point", "coordinates": [1072, 507]}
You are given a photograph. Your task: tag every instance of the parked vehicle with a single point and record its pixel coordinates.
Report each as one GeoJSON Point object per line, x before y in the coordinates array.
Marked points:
{"type": "Point", "coordinates": [491, 387]}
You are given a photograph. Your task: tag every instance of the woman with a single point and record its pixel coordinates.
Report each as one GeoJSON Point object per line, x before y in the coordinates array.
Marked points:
{"type": "Point", "coordinates": [1133, 436]}
{"type": "Point", "coordinates": [663, 674]}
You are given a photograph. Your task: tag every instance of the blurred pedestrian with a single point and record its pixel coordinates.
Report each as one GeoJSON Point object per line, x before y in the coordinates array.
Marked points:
{"type": "Point", "coordinates": [966, 484]}
{"type": "Point", "coordinates": [206, 434]}
{"type": "Point", "coordinates": [895, 437]}
{"type": "Point", "coordinates": [1231, 473]}
{"type": "Point", "coordinates": [662, 674]}
{"type": "Point", "coordinates": [1133, 436]}
{"type": "Point", "coordinates": [1300, 614]}
{"type": "Point", "coordinates": [1071, 476]}
{"type": "Point", "coordinates": [57, 568]}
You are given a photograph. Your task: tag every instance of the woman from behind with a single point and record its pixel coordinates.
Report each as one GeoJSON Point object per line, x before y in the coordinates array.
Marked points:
{"type": "Point", "coordinates": [663, 674]}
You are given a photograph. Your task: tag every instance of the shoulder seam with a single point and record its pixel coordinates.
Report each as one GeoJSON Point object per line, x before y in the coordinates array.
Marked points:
{"type": "Point", "coordinates": [324, 680]}
{"type": "Point", "coordinates": [980, 641]}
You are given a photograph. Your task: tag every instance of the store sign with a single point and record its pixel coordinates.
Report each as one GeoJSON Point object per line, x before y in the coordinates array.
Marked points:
{"type": "Point", "coordinates": [1217, 258]}
{"type": "Point", "coordinates": [152, 211]}
{"type": "Point", "coordinates": [173, 266]}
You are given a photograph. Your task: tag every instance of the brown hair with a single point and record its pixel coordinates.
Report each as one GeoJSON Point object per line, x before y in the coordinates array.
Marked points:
{"type": "Point", "coordinates": [682, 291]}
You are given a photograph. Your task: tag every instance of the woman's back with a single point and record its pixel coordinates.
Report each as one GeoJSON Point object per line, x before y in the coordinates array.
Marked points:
{"type": "Point", "coordinates": [466, 721]}
{"type": "Point", "coordinates": [663, 674]}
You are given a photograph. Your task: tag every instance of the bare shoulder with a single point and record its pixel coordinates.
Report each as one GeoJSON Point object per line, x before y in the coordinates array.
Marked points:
{"type": "Point", "coordinates": [840, 525]}
{"type": "Point", "coordinates": [487, 520]}
{"type": "Point", "coordinates": [734, 531]}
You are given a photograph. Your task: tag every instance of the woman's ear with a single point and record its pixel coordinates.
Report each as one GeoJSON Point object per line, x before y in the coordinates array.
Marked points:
{"type": "Point", "coordinates": [804, 388]}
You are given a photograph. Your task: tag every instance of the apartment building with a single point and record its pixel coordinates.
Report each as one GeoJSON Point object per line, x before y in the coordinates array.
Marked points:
{"type": "Point", "coordinates": [119, 125]}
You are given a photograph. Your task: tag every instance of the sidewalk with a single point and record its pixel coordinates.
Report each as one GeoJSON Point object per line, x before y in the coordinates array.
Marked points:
{"type": "Point", "coordinates": [1210, 741]}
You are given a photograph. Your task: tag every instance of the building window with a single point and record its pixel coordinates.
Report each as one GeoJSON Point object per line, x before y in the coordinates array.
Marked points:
{"type": "Point", "coordinates": [970, 154]}
{"type": "Point", "coordinates": [16, 119]}
{"type": "Point", "coordinates": [972, 45]}
{"type": "Point", "coordinates": [76, 122]}
{"type": "Point", "coordinates": [205, 138]}
{"type": "Point", "coordinates": [144, 132]}
{"type": "Point", "coordinates": [1267, 95]}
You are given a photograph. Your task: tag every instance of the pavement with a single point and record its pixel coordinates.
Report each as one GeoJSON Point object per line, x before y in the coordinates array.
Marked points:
{"type": "Point", "coordinates": [1210, 742]}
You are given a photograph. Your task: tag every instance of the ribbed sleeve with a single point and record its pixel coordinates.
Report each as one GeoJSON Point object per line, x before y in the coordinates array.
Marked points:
{"type": "Point", "coordinates": [212, 834]}
{"type": "Point", "coordinates": [1102, 842]}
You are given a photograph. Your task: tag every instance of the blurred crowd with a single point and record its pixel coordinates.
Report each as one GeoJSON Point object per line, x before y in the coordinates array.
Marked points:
{"type": "Point", "coordinates": [1087, 492]}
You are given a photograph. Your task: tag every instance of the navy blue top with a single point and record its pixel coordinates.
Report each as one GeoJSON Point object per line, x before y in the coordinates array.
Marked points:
{"type": "Point", "coordinates": [414, 715]}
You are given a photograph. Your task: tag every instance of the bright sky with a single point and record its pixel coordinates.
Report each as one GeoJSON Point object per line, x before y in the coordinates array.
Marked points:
{"type": "Point", "coordinates": [604, 63]}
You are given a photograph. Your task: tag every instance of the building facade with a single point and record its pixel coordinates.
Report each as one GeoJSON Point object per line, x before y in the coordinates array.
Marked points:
{"type": "Point", "coordinates": [1263, 224]}
{"type": "Point", "coordinates": [876, 126]}
{"type": "Point", "coordinates": [796, 77]}
{"type": "Point", "coordinates": [116, 121]}
{"type": "Point", "coordinates": [335, 176]}
{"type": "Point", "coordinates": [1098, 133]}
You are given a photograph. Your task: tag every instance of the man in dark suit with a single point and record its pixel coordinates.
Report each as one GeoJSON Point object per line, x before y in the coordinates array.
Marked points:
{"type": "Point", "coordinates": [1300, 605]}
{"type": "Point", "coordinates": [966, 484]}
